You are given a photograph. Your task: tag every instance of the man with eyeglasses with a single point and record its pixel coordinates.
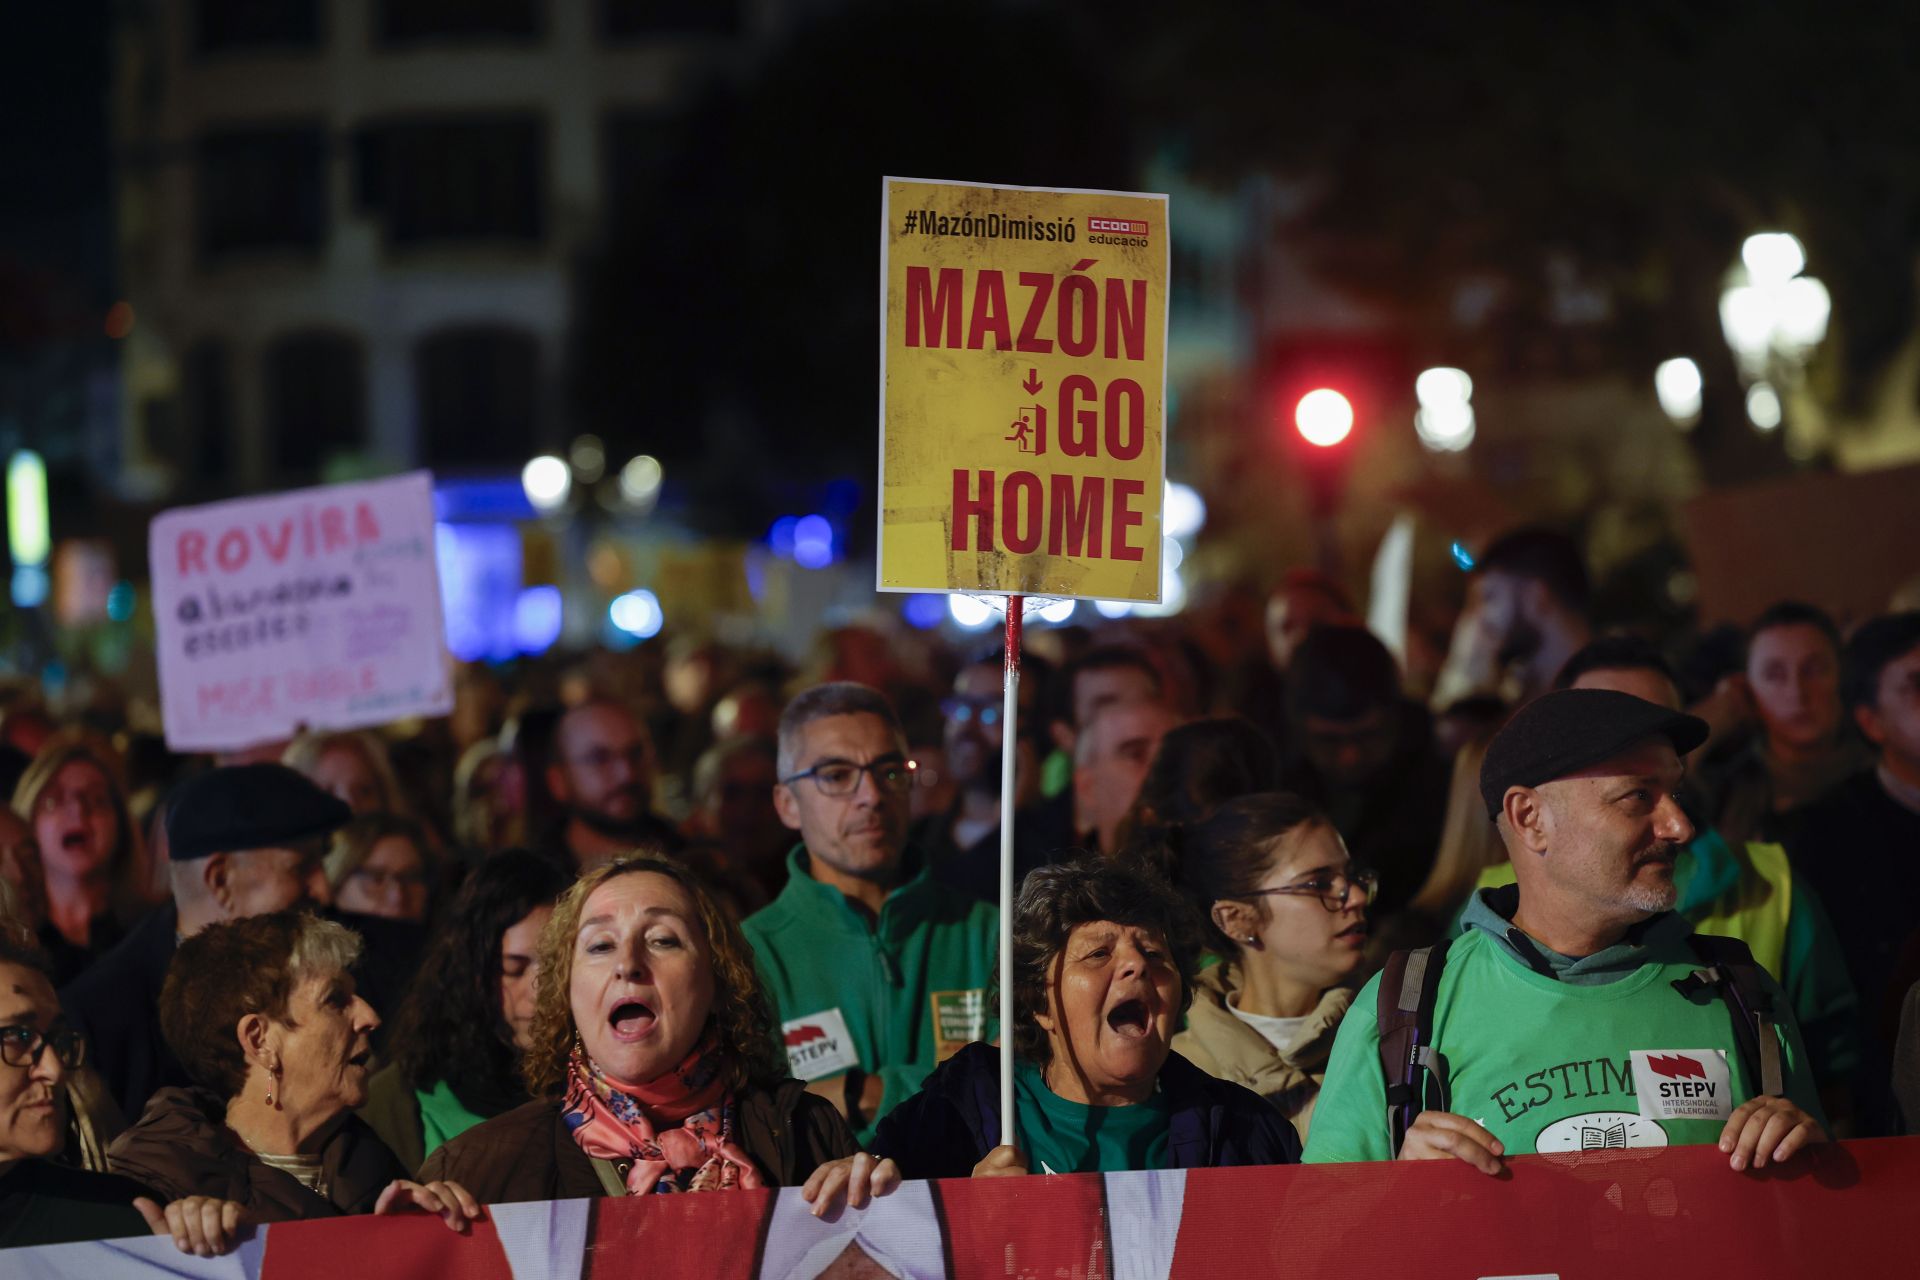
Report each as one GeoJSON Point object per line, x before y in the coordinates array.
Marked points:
{"type": "Point", "coordinates": [602, 776]}
{"type": "Point", "coordinates": [1579, 1010]}
{"type": "Point", "coordinates": [963, 844]}
{"type": "Point", "coordinates": [877, 971]}
{"type": "Point", "coordinates": [42, 1201]}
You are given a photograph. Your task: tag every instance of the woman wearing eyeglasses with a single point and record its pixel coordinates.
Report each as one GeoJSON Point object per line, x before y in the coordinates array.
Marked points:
{"type": "Point", "coordinates": [1287, 911]}
{"type": "Point", "coordinates": [379, 865]}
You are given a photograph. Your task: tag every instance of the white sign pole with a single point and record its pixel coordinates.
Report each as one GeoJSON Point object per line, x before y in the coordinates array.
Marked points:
{"type": "Point", "coordinates": [1009, 753]}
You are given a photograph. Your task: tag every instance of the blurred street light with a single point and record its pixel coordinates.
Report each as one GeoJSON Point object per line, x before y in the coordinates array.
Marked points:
{"type": "Point", "coordinates": [1324, 417]}
{"type": "Point", "coordinates": [1763, 406]}
{"type": "Point", "coordinates": [1185, 512]}
{"type": "Point", "coordinates": [640, 479]}
{"type": "Point", "coordinates": [1678, 384]}
{"type": "Point", "coordinates": [1445, 421]}
{"type": "Point", "coordinates": [1773, 257]}
{"type": "Point", "coordinates": [547, 481]}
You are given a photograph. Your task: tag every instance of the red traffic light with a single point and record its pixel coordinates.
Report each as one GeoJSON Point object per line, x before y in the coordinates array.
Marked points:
{"type": "Point", "coordinates": [1324, 417]}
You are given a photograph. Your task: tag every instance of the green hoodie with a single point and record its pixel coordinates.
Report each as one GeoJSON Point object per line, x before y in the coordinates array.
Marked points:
{"type": "Point", "coordinates": [1551, 1052]}
{"type": "Point", "coordinates": [1753, 895]}
{"type": "Point", "coordinates": [893, 996]}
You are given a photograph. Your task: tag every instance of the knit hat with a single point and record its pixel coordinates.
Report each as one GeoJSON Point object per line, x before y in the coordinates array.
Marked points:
{"type": "Point", "coordinates": [1566, 731]}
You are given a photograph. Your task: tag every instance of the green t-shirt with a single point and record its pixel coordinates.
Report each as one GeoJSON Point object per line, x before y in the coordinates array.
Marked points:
{"type": "Point", "coordinates": [1058, 1136]}
{"type": "Point", "coordinates": [443, 1116]}
{"type": "Point", "coordinates": [1551, 1065]}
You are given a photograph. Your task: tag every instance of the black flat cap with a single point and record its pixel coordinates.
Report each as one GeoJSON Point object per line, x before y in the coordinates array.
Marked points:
{"type": "Point", "coordinates": [248, 806]}
{"type": "Point", "coordinates": [1565, 731]}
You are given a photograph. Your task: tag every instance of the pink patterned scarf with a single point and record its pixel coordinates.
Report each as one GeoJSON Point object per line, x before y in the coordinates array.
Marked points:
{"type": "Point", "coordinates": [678, 1131]}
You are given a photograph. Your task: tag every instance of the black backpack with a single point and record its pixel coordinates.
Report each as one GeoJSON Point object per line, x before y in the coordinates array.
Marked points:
{"type": "Point", "coordinates": [1416, 1074]}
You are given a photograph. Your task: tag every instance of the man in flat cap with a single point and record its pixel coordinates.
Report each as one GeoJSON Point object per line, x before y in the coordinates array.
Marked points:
{"type": "Point", "coordinates": [1577, 1010]}
{"type": "Point", "coordinates": [244, 840]}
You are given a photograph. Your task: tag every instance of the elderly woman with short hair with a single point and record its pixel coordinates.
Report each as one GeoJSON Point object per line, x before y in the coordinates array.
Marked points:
{"type": "Point", "coordinates": [263, 1015]}
{"type": "Point", "coordinates": [1104, 961]}
{"type": "Point", "coordinates": [652, 1059]}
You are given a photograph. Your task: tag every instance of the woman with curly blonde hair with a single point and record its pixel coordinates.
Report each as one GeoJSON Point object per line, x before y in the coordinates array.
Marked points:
{"type": "Point", "coordinates": [652, 1058]}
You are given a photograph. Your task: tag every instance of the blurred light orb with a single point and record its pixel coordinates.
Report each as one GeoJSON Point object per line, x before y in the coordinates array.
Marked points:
{"type": "Point", "coordinates": [1763, 406]}
{"type": "Point", "coordinates": [1801, 312]}
{"type": "Point", "coordinates": [1442, 386]}
{"type": "Point", "coordinates": [1678, 384]}
{"type": "Point", "coordinates": [1055, 612]}
{"type": "Point", "coordinates": [589, 458]}
{"type": "Point", "coordinates": [971, 612]}
{"type": "Point", "coordinates": [637, 613]}
{"type": "Point", "coordinates": [924, 611]}
{"type": "Point", "coordinates": [1325, 417]}
{"type": "Point", "coordinates": [1773, 257]}
{"type": "Point", "coordinates": [640, 479]}
{"type": "Point", "coordinates": [547, 480]}
{"type": "Point", "coordinates": [537, 616]}
{"type": "Point", "coordinates": [813, 542]}
{"type": "Point", "coordinates": [1446, 427]}
{"type": "Point", "coordinates": [1113, 608]}
{"type": "Point", "coordinates": [1172, 552]}
{"type": "Point", "coordinates": [120, 601]}
{"type": "Point", "coordinates": [1462, 557]}
{"type": "Point", "coordinates": [1747, 317]}
{"type": "Point", "coordinates": [1183, 512]}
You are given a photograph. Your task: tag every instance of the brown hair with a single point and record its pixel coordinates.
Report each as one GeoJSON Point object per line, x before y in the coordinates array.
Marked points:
{"type": "Point", "coordinates": [1228, 853]}
{"type": "Point", "coordinates": [1056, 900]}
{"type": "Point", "coordinates": [227, 971]}
{"type": "Point", "coordinates": [304, 754]}
{"type": "Point", "coordinates": [61, 750]}
{"type": "Point", "coordinates": [740, 1019]}
{"type": "Point", "coordinates": [353, 844]}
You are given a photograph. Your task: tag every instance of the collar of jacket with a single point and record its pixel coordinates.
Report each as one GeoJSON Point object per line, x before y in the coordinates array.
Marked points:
{"type": "Point", "coordinates": [905, 907]}
{"type": "Point", "coordinates": [1492, 911]}
{"type": "Point", "coordinates": [1250, 1057]}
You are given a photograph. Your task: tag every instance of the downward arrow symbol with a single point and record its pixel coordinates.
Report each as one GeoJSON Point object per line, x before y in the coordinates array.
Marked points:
{"type": "Point", "coordinates": [1033, 383]}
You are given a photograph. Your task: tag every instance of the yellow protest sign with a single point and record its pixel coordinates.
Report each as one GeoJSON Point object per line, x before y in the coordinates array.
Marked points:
{"type": "Point", "coordinates": [1023, 390]}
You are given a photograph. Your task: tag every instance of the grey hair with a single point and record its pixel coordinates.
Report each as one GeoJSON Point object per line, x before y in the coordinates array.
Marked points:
{"type": "Point", "coordinates": [323, 948]}
{"type": "Point", "coordinates": [838, 698]}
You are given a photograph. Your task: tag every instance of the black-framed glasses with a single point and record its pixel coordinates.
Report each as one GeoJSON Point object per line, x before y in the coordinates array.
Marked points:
{"type": "Point", "coordinates": [21, 1045]}
{"type": "Point", "coordinates": [842, 777]}
{"type": "Point", "coordinates": [1332, 890]}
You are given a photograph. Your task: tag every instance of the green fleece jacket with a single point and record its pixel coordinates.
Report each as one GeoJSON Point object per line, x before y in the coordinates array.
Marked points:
{"type": "Point", "coordinates": [1553, 1053]}
{"type": "Point", "coordinates": [893, 996]}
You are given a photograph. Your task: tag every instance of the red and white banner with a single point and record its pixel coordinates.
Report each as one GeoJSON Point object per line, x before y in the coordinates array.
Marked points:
{"type": "Point", "coordinates": [1841, 1210]}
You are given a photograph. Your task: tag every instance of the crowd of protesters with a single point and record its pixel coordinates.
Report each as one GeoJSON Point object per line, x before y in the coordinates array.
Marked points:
{"type": "Point", "coordinates": [686, 918]}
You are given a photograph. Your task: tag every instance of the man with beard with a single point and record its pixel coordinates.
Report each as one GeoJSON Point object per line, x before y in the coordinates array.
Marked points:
{"type": "Point", "coordinates": [602, 776]}
{"type": "Point", "coordinates": [962, 845]}
{"type": "Point", "coordinates": [1526, 615]}
{"type": "Point", "coordinates": [1579, 1010]}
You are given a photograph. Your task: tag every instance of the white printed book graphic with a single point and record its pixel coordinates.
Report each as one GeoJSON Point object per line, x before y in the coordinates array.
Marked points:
{"type": "Point", "coordinates": [819, 1045]}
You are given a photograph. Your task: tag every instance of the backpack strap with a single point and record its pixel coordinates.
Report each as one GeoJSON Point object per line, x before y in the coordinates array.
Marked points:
{"type": "Point", "coordinates": [1409, 986]}
{"type": "Point", "coordinates": [1733, 974]}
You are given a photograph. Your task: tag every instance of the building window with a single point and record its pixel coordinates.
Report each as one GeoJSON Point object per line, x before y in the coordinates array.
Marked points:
{"type": "Point", "coordinates": [478, 389]}
{"type": "Point", "coordinates": [262, 189]}
{"type": "Point", "coordinates": [235, 26]}
{"type": "Point", "coordinates": [316, 392]}
{"type": "Point", "coordinates": [471, 179]}
{"type": "Point", "coordinates": [626, 20]}
{"type": "Point", "coordinates": [410, 22]}
{"type": "Point", "coordinates": [200, 437]}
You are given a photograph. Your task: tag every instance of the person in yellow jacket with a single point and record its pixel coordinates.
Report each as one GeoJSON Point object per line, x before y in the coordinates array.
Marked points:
{"type": "Point", "coordinates": [1749, 893]}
